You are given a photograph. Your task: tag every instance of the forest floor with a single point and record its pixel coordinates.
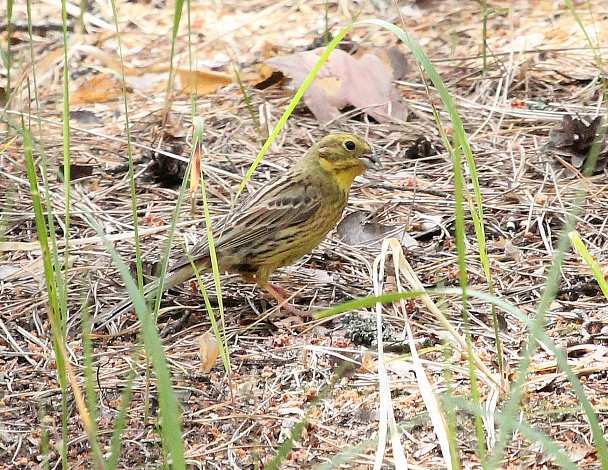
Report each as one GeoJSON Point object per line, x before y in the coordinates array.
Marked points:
{"type": "Point", "coordinates": [539, 69]}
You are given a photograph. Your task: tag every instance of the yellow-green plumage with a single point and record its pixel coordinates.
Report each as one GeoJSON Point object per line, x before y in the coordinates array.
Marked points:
{"type": "Point", "coordinates": [287, 219]}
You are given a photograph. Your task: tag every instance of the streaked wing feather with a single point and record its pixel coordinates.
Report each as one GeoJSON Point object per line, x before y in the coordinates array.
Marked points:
{"type": "Point", "coordinates": [280, 213]}
{"type": "Point", "coordinates": [283, 205]}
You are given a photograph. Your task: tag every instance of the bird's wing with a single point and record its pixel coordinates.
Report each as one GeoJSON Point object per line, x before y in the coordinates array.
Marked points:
{"type": "Point", "coordinates": [282, 206]}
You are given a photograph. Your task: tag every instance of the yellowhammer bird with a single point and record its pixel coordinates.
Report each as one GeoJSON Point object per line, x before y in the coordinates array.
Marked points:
{"type": "Point", "coordinates": [284, 221]}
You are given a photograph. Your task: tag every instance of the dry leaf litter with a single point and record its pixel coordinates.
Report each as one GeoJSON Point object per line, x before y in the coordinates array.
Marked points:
{"type": "Point", "coordinates": [539, 72]}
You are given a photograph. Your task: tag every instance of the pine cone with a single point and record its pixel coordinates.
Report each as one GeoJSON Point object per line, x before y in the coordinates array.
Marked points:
{"type": "Point", "coordinates": [573, 139]}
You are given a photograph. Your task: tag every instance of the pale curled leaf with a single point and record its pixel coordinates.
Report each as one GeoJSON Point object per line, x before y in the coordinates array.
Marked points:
{"type": "Point", "coordinates": [208, 351]}
{"type": "Point", "coordinates": [343, 80]}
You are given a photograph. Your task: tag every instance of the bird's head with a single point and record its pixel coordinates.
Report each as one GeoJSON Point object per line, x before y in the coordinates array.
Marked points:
{"type": "Point", "coordinates": [345, 156]}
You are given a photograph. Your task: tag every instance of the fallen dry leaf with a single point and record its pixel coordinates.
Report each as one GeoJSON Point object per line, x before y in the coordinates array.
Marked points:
{"type": "Point", "coordinates": [202, 82]}
{"type": "Point", "coordinates": [199, 80]}
{"type": "Point", "coordinates": [82, 116]}
{"type": "Point", "coordinates": [395, 60]}
{"type": "Point", "coordinates": [97, 89]}
{"type": "Point", "coordinates": [364, 83]}
{"type": "Point", "coordinates": [208, 351]}
{"type": "Point", "coordinates": [355, 229]}
{"type": "Point", "coordinates": [7, 270]}
{"type": "Point", "coordinates": [111, 61]}
{"type": "Point", "coordinates": [77, 171]}
{"type": "Point", "coordinates": [264, 77]}
{"type": "Point", "coordinates": [369, 364]}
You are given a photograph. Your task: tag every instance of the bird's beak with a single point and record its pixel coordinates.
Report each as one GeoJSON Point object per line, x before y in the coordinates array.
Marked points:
{"type": "Point", "coordinates": [372, 161]}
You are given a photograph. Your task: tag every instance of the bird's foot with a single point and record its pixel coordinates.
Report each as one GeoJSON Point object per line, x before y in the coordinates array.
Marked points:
{"type": "Point", "coordinates": [282, 296]}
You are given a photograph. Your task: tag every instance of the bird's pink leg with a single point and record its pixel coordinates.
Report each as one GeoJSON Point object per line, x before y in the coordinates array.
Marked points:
{"type": "Point", "coordinates": [279, 294]}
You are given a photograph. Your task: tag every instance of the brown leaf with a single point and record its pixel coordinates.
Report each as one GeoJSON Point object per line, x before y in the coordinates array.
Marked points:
{"type": "Point", "coordinates": [97, 89]}
{"type": "Point", "coordinates": [264, 77]}
{"type": "Point", "coordinates": [202, 82]}
{"type": "Point", "coordinates": [369, 365]}
{"type": "Point", "coordinates": [77, 171]}
{"type": "Point", "coordinates": [111, 61]}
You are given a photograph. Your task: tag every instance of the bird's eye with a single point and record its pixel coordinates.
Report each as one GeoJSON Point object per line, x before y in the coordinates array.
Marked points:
{"type": "Point", "coordinates": [349, 145]}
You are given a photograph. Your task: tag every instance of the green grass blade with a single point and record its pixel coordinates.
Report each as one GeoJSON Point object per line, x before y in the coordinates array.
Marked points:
{"type": "Point", "coordinates": [51, 283]}
{"type": "Point", "coordinates": [140, 281]}
{"type": "Point", "coordinates": [63, 282]}
{"type": "Point", "coordinates": [121, 419]}
{"type": "Point", "coordinates": [171, 429]}
{"type": "Point", "coordinates": [89, 377]}
{"type": "Point", "coordinates": [578, 244]}
{"type": "Point", "coordinates": [218, 329]}
{"type": "Point", "coordinates": [292, 105]}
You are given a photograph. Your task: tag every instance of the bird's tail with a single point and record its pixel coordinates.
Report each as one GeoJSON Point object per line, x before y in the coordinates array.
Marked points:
{"type": "Point", "coordinates": [180, 275]}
